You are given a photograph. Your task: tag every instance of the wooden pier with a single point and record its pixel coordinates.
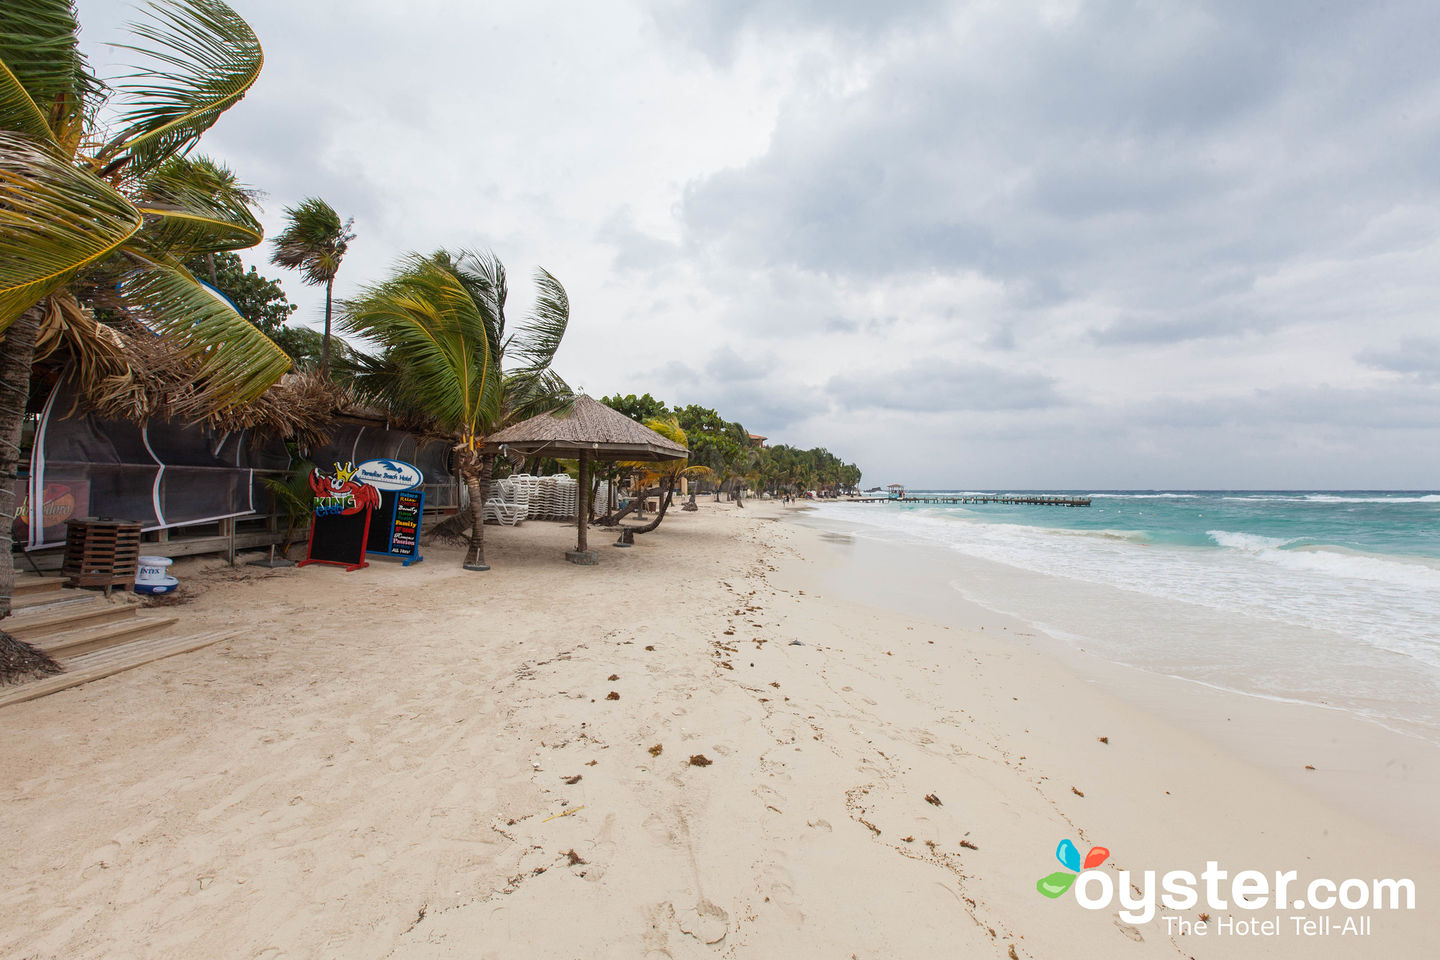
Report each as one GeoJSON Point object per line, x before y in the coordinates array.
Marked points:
{"type": "Point", "coordinates": [1039, 500]}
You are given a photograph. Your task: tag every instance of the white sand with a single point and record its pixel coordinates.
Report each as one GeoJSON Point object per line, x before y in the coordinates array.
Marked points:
{"type": "Point", "coordinates": [377, 767]}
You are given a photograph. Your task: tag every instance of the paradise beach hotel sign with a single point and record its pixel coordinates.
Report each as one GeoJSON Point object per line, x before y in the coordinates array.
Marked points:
{"type": "Point", "coordinates": [1231, 905]}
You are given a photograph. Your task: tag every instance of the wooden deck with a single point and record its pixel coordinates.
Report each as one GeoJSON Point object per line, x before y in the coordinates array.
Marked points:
{"type": "Point", "coordinates": [88, 635]}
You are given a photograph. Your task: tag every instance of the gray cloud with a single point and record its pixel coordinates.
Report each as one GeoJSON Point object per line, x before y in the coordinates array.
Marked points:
{"type": "Point", "coordinates": [726, 364]}
{"type": "Point", "coordinates": [1185, 325]}
{"type": "Point", "coordinates": [1415, 357]}
{"type": "Point", "coordinates": [937, 386]}
{"type": "Point", "coordinates": [1150, 157]}
{"type": "Point", "coordinates": [743, 390]}
{"type": "Point", "coordinates": [634, 249]}
{"type": "Point", "coordinates": [715, 27]}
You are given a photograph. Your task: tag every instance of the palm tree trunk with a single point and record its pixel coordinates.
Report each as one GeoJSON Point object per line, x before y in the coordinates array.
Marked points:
{"type": "Point", "coordinates": [17, 352]}
{"type": "Point", "coordinates": [664, 505]}
{"type": "Point", "coordinates": [478, 482]}
{"type": "Point", "coordinates": [325, 344]}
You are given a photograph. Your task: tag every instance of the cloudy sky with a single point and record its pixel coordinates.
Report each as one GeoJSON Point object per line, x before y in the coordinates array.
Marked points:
{"type": "Point", "coordinates": [997, 244]}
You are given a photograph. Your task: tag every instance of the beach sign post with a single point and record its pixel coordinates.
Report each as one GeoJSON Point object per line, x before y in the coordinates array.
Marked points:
{"type": "Point", "coordinates": [402, 504]}
{"type": "Point", "coordinates": [341, 522]}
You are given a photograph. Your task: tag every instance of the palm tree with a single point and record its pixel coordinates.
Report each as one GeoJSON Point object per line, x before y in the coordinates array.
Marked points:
{"type": "Point", "coordinates": [314, 242]}
{"type": "Point", "coordinates": [664, 473]}
{"type": "Point", "coordinates": [97, 217]}
{"type": "Point", "coordinates": [440, 324]}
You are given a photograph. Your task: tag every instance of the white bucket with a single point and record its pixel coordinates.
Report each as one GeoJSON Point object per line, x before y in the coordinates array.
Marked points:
{"type": "Point", "coordinates": [151, 571]}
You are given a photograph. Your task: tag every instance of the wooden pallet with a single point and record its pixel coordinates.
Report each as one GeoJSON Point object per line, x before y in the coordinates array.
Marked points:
{"type": "Point", "coordinates": [109, 661]}
{"type": "Point", "coordinates": [101, 553]}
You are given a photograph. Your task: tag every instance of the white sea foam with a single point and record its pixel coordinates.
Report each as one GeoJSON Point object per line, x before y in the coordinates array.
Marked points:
{"type": "Point", "coordinates": [1333, 562]}
{"type": "Point", "coordinates": [1250, 542]}
{"type": "Point", "coordinates": [1142, 496]}
{"type": "Point", "coordinates": [1332, 498]}
{"type": "Point", "coordinates": [1281, 617]}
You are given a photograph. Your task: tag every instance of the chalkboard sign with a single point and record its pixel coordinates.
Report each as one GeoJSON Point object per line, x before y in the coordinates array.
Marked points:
{"type": "Point", "coordinates": [341, 525]}
{"type": "Point", "coordinates": [400, 537]}
{"type": "Point", "coordinates": [339, 539]}
{"type": "Point", "coordinates": [396, 532]}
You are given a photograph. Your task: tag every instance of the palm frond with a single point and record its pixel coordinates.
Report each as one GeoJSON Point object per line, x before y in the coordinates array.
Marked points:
{"type": "Point", "coordinates": [483, 275]}
{"type": "Point", "coordinates": [203, 59]}
{"type": "Point", "coordinates": [54, 220]}
{"type": "Point", "coordinates": [237, 363]}
{"type": "Point", "coordinates": [94, 350]}
{"type": "Point", "coordinates": [45, 83]}
{"type": "Point", "coordinates": [292, 492]}
{"type": "Point", "coordinates": [532, 393]}
{"type": "Point", "coordinates": [196, 206]}
{"type": "Point", "coordinates": [437, 342]}
{"type": "Point", "coordinates": [314, 240]}
{"type": "Point", "coordinates": [535, 343]}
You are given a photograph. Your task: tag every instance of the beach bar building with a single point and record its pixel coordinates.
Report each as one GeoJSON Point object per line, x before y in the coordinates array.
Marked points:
{"type": "Point", "coordinates": [195, 488]}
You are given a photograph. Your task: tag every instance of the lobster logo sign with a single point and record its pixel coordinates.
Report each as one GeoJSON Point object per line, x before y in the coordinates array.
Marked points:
{"type": "Point", "coordinates": [339, 494]}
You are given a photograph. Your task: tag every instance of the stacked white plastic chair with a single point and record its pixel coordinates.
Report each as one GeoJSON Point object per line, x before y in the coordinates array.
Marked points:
{"type": "Point", "coordinates": [602, 498]}
{"type": "Point", "coordinates": [566, 495]}
{"type": "Point", "coordinates": [528, 485]}
{"type": "Point", "coordinates": [509, 502]}
{"type": "Point", "coordinates": [543, 502]}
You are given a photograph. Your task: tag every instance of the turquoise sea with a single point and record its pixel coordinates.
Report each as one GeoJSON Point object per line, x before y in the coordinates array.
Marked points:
{"type": "Point", "coordinates": [1323, 597]}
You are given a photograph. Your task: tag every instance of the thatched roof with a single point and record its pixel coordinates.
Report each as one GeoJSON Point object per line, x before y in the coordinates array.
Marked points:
{"type": "Point", "coordinates": [589, 427]}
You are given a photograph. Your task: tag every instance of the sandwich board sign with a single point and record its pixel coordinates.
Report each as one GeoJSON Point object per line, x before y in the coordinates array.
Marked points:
{"type": "Point", "coordinates": [397, 530]}
{"type": "Point", "coordinates": [341, 524]}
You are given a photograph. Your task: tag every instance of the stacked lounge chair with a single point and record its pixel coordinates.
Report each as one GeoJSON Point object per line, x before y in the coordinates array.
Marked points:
{"type": "Point", "coordinates": [509, 502]}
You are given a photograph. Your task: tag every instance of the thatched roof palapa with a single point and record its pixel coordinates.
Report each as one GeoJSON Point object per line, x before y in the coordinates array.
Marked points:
{"type": "Point", "coordinates": [589, 428]}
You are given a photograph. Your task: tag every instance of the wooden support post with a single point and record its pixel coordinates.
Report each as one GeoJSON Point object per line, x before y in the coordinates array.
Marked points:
{"type": "Point", "coordinates": [582, 543]}
{"type": "Point", "coordinates": [582, 553]}
{"type": "Point", "coordinates": [227, 530]}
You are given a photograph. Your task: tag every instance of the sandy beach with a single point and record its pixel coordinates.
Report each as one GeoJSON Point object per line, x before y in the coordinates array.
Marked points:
{"type": "Point", "coordinates": [723, 742]}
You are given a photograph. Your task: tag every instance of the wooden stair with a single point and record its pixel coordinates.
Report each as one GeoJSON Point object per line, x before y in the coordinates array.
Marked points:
{"type": "Point", "coordinates": [88, 635]}
{"type": "Point", "coordinates": [30, 584]}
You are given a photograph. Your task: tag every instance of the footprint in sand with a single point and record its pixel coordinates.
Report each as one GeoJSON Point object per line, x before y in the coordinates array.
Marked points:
{"type": "Point", "coordinates": [658, 828]}
{"type": "Point", "coordinates": [705, 922]}
{"type": "Point", "coordinates": [101, 858]}
{"type": "Point", "coordinates": [780, 893]}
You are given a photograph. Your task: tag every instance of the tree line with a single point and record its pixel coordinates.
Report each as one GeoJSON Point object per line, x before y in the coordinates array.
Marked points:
{"type": "Point", "coordinates": [735, 461]}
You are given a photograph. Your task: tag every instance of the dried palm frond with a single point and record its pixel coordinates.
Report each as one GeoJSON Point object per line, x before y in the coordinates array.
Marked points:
{"type": "Point", "coordinates": [20, 661]}
{"type": "Point", "coordinates": [146, 377]}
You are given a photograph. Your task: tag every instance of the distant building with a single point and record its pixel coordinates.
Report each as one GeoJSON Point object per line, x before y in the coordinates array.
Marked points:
{"type": "Point", "coordinates": [758, 440]}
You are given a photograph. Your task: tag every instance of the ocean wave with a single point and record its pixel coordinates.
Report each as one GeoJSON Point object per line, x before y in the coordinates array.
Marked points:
{"type": "Point", "coordinates": [1332, 498]}
{"type": "Point", "coordinates": [1249, 542]}
{"type": "Point", "coordinates": [1128, 536]}
{"type": "Point", "coordinates": [1143, 496]}
{"type": "Point", "coordinates": [1332, 561]}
